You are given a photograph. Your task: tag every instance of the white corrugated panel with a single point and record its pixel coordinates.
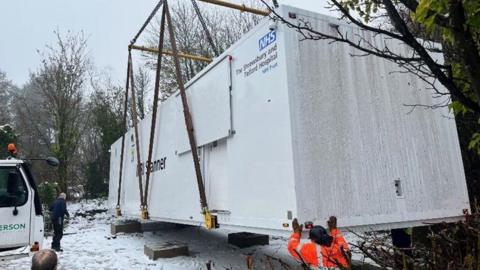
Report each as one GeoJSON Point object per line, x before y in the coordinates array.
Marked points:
{"type": "Point", "coordinates": [354, 136]}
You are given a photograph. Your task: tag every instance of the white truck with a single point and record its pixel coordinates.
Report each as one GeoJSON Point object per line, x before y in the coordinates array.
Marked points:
{"type": "Point", "coordinates": [288, 128]}
{"type": "Point", "coordinates": [21, 218]}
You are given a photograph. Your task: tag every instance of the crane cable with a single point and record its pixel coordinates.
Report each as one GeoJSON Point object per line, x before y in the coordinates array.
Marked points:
{"type": "Point", "coordinates": [150, 17]}
{"type": "Point", "coordinates": [125, 109]}
{"type": "Point", "coordinates": [210, 220]}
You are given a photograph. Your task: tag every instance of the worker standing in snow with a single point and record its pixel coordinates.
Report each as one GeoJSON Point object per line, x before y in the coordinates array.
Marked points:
{"type": "Point", "coordinates": [58, 211]}
{"type": "Point", "coordinates": [322, 252]}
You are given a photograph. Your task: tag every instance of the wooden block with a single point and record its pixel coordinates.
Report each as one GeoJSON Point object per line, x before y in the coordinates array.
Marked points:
{"type": "Point", "coordinates": [165, 250]}
{"type": "Point", "coordinates": [128, 226]}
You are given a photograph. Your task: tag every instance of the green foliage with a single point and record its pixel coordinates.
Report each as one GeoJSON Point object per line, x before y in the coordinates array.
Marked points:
{"type": "Point", "coordinates": [97, 185]}
{"type": "Point", "coordinates": [475, 143]}
{"type": "Point", "coordinates": [364, 8]}
{"type": "Point", "coordinates": [427, 11]}
{"type": "Point", "coordinates": [426, 14]}
{"type": "Point", "coordinates": [472, 8]}
{"type": "Point", "coordinates": [47, 192]}
{"type": "Point", "coordinates": [457, 108]}
{"type": "Point", "coordinates": [106, 116]}
{"type": "Point", "coordinates": [108, 123]}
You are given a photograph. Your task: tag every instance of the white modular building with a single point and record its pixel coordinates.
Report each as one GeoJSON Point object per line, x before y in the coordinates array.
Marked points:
{"type": "Point", "coordinates": [288, 128]}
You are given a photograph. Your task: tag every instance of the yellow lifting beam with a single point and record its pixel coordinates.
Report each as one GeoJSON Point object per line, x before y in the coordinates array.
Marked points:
{"type": "Point", "coordinates": [170, 53]}
{"type": "Point", "coordinates": [236, 6]}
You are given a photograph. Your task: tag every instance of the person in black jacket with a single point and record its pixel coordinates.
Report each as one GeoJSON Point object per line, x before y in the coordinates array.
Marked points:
{"type": "Point", "coordinates": [58, 211]}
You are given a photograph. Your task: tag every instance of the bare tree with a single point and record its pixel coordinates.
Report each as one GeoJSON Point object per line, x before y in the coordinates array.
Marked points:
{"type": "Point", "coordinates": [142, 88]}
{"type": "Point", "coordinates": [437, 246]}
{"type": "Point", "coordinates": [104, 127]}
{"type": "Point", "coordinates": [6, 88]}
{"type": "Point", "coordinates": [52, 103]}
{"type": "Point", "coordinates": [225, 26]}
{"type": "Point", "coordinates": [7, 133]}
{"type": "Point", "coordinates": [460, 76]}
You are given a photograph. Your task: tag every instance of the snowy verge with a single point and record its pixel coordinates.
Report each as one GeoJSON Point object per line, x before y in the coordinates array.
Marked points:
{"type": "Point", "coordinates": [87, 244]}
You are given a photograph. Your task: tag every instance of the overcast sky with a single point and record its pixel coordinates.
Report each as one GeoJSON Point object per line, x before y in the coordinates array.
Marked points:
{"type": "Point", "coordinates": [27, 25]}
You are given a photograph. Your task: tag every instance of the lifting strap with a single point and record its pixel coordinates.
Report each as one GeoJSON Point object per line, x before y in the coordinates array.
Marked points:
{"type": "Point", "coordinates": [210, 220]}
{"type": "Point", "coordinates": [135, 126]}
{"type": "Point", "coordinates": [143, 197]}
{"type": "Point", "coordinates": [187, 115]}
{"type": "Point", "coordinates": [150, 17]}
{"type": "Point", "coordinates": [154, 112]}
{"type": "Point", "coordinates": [205, 28]}
{"type": "Point", "coordinates": [124, 128]}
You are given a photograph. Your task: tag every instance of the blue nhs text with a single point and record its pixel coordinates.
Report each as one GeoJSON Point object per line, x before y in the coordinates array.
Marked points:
{"type": "Point", "coordinates": [267, 40]}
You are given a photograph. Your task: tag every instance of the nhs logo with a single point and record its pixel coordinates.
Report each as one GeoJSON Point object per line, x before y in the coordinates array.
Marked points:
{"type": "Point", "coordinates": [267, 40]}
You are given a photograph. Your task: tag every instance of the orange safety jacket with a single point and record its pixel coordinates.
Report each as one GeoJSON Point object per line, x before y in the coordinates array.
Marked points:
{"type": "Point", "coordinates": [336, 253]}
{"type": "Point", "coordinates": [331, 257]}
{"type": "Point", "coordinates": [308, 251]}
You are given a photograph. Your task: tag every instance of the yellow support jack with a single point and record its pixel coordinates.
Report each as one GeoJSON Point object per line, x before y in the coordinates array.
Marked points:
{"type": "Point", "coordinates": [118, 211]}
{"type": "Point", "coordinates": [144, 212]}
{"type": "Point", "coordinates": [210, 220]}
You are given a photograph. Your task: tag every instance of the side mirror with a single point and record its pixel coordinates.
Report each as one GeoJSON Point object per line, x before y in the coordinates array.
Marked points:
{"type": "Point", "coordinates": [52, 161]}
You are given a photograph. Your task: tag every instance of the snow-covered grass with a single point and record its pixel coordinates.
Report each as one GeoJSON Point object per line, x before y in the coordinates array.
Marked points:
{"type": "Point", "coordinates": [88, 244]}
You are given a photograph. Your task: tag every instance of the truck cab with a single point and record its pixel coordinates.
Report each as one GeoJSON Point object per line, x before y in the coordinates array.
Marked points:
{"type": "Point", "coordinates": [21, 218]}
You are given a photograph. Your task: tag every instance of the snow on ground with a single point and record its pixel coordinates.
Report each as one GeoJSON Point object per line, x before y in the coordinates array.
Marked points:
{"type": "Point", "coordinates": [87, 244]}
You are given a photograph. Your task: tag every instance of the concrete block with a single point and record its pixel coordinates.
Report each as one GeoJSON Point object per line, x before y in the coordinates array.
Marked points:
{"type": "Point", "coordinates": [125, 226]}
{"type": "Point", "coordinates": [165, 250]}
{"type": "Point", "coordinates": [245, 239]}
{"type": "Point", "coordinates": [151, 226]}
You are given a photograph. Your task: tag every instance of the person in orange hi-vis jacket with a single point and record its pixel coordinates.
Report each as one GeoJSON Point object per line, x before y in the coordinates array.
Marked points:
{"type": "Point", "coordinates": [340, 249]}
{"type": "Point", "coordinates": [324, 251]}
